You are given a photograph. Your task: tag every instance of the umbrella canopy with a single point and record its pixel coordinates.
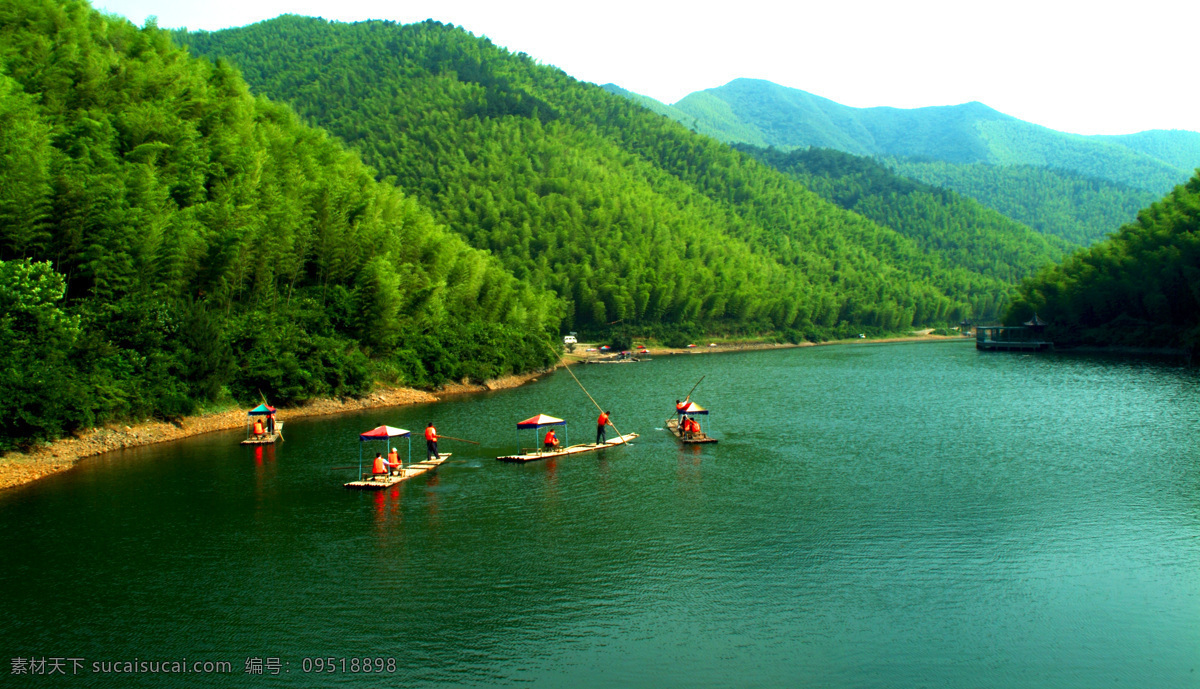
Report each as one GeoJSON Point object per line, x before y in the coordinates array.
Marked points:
{"type": "Point", "coordinates": [383, 433]}
{"type": "Point", "coordinates": [262, 410]}
{"type": "Point", "coordinates": [539, 421]}
{"type": "Point", "coordinates": [691, 408]}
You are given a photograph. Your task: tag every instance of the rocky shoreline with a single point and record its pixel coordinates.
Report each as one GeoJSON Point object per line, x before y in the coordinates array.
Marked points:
{"type": "Point", "coordinates": [19, 468]}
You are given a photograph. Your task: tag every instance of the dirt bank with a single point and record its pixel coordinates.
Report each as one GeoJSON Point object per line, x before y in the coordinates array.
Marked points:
{"type": "Point", "coordinates": [18, 468]}
{"type": "Point", "coordinates": [582, 356]}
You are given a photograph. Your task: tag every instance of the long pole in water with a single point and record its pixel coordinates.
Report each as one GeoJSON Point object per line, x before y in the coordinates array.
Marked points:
{"type": "Point", "coordinates": [461, 440]}
{"type": "Point", "coordinates": [619, 434]}
{"type": "Point", "coordinates": [689, 395]}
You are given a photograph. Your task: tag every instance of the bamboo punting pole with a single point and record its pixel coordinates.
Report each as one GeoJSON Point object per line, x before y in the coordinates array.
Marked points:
{"type": "Point", "coordinates": [461, 440]}
{"type": "Point", "coordinates": [589, 395]}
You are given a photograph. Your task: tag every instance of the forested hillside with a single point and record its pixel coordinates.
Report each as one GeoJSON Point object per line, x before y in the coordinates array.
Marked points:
{"type": "Point", "coordinates": [940, 221]}
{"type": "Point", "coordinates": [970, 133]}
{"type": "Point", "coordinates": [1056, 202]}
{"type": "Point", "coordinates": [168, 239]}
{"type": "Point", "coordinates": [1139, 288]}
{"type": "Point", "coordinates": [628, 216]}
{"type": "Point", "coordinates": [1080, 188]}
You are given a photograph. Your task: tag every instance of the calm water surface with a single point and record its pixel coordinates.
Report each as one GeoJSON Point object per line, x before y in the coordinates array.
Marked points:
{"type": "Point", "coordinates": [874, 516]}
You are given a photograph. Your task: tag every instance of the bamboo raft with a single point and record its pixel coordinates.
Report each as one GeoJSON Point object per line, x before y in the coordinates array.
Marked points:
{"type": "Point", "coordinates": [265, 438]}
{"type": "Point", "coordinates": [373, 482]}
{"type": "Point", "coordinates": [697, 438]}
{"type": "Point", "coordinates": [536, 454]}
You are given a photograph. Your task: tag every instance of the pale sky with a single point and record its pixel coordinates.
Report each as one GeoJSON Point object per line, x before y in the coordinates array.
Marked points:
{"type": "Point", "coordinates": [1081, 67]}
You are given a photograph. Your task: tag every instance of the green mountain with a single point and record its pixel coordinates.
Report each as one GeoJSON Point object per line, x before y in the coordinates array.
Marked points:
{"type": "Point", "coordinates": [632, 219]}
{"type": "Point", "coordinates": [169, 240]}
{"type": "Point", "coordinates": [970, 133]}
{"type": "Point", "coordinates": [953, 226]}
{"type": "Point", "coordinates": [1176, 147]}
{"type": "Point", "coordinates": [1075, 187]}
{"type": "Point", "coordinates": [1140, 288]}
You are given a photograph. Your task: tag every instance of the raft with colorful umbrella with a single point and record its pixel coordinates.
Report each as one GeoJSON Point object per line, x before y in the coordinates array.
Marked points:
{"type": "Point", "coordinates": [689, 411]}
{"type": "Point", "coordinates": [537, 423]}
{"type": "Point", "coordinates": [262, 414]}
{"type": "Point", "coordinates": [384, 434]}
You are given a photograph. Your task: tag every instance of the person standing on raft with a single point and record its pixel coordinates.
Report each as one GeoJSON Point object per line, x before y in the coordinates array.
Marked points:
{"type": "Point", "coordinates": [431, 438]}
{"type": "Point", "coordinates": [601, 424]}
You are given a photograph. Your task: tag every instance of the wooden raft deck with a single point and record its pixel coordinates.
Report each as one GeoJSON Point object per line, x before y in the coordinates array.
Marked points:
{"type": "Point", "coordinates": [673, 426]}
{"type": "Point", "coordinates": [266, 438]}
{"type": "Point", "coordinates": [572, 450]}
{"type": "Point", "coordinates": [410, 471]}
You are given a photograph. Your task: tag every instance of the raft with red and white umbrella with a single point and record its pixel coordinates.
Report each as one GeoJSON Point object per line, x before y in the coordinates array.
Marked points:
{"type": "Point", "coordinates": [538, 451]}
{"type": "Point", "coordinates": [407, 470]}
{"type": "Point", "coordinates": [689, 411]}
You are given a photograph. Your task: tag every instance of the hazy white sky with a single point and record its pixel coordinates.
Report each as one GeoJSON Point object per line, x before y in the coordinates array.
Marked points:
{"type": "Point", "coordinates": [1082, 67]}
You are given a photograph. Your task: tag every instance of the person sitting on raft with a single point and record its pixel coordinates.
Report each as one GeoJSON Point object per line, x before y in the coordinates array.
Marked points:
{"type": "Point", "coordinates": [258, 428]}
{"type": "Point", "coordinates": [551, 441]}
{"type": "Point", "coordinates": [379, 467]}
{"type": "Point", "coordinates": [690, 427]}
{"type": "Point", "coordinates": [393, 461]}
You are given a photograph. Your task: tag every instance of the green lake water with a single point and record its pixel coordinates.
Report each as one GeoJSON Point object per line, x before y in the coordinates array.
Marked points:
{"type": "Point", "coordinates": [902, 515]}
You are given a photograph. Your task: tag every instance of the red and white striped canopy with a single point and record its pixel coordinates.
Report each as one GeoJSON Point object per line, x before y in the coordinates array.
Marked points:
{"type": "Point", "coordinates": [383, 433]}
{"type": "Point", "coordinates": [538, 421]}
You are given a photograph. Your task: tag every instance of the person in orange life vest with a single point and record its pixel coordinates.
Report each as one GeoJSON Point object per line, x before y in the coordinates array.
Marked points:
{"type": "Point", "coordinates": [258, 428]}
{"type": "Point", "coordinates": [551, 441]}
{"type": "Point", "coordinates": [393, 461]}
{"type": "Point", "coordinates": [601, 424]}
{"type": "Point", "coordinates": [431, 438]}
{"type": "Point", "coordinates": [690, 426]}
{"type": "Point", "coordinates": [379, 468]}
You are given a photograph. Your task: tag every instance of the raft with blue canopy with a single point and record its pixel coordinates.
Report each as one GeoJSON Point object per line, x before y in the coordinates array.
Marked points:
{"type": "Point", "coordinates": [266, 437]}
{"type": "Point", "coordinates": [685, 411]}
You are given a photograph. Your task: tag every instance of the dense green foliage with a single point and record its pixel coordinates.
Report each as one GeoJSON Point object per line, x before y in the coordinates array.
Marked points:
{"type": "Point", "coordinates": [1175, 147]}
{"type": "Point", "coordinates": [970, 133]}
{"type": "Point", "coordinates": [166, 239]}
{"type": "Point", "coordinates": [1065, 204]}
{"type": "Point", "coordinates": [955, 227]}
{"type": "Point", "coordinates": [628, 216]}
{"type": "Point", "coordinates": [1139, 288]}
{"type": "Point", "coordinates": [1080, 188]}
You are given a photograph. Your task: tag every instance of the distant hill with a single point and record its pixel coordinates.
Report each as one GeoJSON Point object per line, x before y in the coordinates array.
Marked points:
{"type": "Point", "coordinates": [1177, 147]}
{"type": "Point", "coordinates": [631, 219]}
{"type": "Point", "coordinates": [970, 133]}
{"type": "Point", "coordinates": [940, 221]}
{"type": "Point", "coordinates": [1075, 187]}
